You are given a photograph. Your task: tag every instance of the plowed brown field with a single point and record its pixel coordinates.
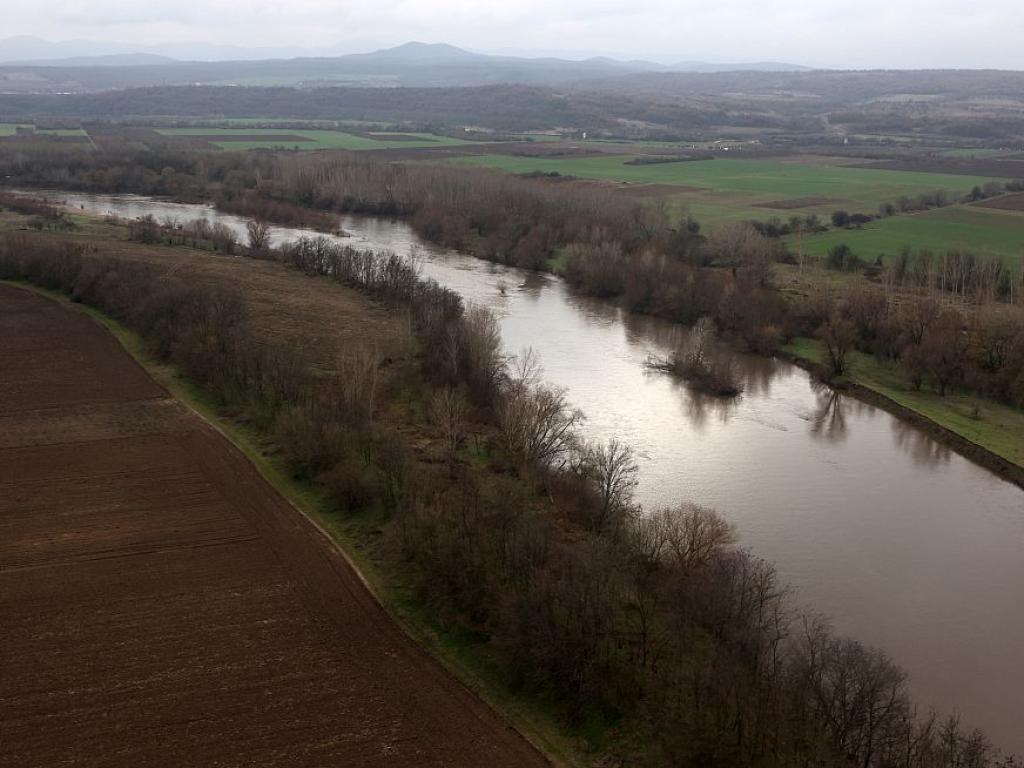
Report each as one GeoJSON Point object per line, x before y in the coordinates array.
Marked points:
{"type": "Point", "coordinates": [1005, 202]}
{"type": "Point", "coordinates": [161, 604]}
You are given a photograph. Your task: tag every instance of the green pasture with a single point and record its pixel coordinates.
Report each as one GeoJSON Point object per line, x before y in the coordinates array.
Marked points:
{"type": "Point", "coordinates": [318, 139]}
{"type": "Point", "coordinates": [982, 231]}
{"type": "Point", "coordinates": [725, 188]}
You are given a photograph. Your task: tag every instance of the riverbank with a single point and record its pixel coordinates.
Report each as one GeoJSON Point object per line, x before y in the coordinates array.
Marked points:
{"type": "Point", "coordinates": [985, 431]}
{"type": "Point", "coordinates": [180, 590]}
{"type": "Point", "coordinates": [988, 433]}
{"type": "Point", "coordinates": [357, 534]}
{"type": "Point", "coordinates": [774, 425]}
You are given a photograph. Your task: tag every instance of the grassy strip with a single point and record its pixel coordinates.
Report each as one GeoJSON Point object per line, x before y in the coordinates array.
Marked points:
{"type": "Point", "coordinates": [356, 536]}
{"type": "Point", "coordinates": [316, 139]}
{"type": "Point", "coordinates": [993, 426]}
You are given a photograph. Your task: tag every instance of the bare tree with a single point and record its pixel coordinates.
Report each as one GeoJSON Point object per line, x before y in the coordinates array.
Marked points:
{"type": "Point", "coordinates": [481, 361]}
{"type": "Point", "coordinates": [259, 235]}
{"type": "Point", "coordinates": [536, 420]}
{"type": "Point", "coordinates": [613, 472]}
{"type": "Point", "coordinates": [356, 380]}
{"type": "Point", "coordinates": [694, 534]}
{"type": "Point", "coordinates": [449, 412]}
{"type": "Point", "coordinates": [838, 335]}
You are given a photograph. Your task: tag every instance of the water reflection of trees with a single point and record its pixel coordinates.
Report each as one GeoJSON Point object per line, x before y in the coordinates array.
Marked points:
{"type": "Point", "coordinates": [662, 338]}
{"type": "Point", "coordinates": [600, 311]}
{"type": "Point", "coordinates": [700, 408]}
{"type": "Point", "coordinates": [923, 450]}
{"type": "Point", "coordinates": [828, 421]}
{"type": "Point", "coordinates": [531, 283]}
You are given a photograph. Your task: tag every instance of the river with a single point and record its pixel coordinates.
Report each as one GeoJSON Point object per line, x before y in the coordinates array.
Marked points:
{"type": "Point", "coordinates": [902, 542]}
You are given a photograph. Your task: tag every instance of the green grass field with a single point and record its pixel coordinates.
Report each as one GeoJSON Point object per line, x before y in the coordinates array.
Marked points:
{"type": "Point", "coordinates": [319, 139]}
{"type": "Point", "coordinates": [983, 231]}
{"type": "Point", "coordinates": [61, 131]}
{"type": "Point", "coordinates": [734, 189]}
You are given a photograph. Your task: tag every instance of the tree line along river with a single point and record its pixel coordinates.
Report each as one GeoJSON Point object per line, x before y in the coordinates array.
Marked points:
{"type": "Point", "coordinates": [902, 542]}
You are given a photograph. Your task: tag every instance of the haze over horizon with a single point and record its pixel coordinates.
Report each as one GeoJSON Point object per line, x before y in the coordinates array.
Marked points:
{"type": "Point", "coordinates": [838, 34]}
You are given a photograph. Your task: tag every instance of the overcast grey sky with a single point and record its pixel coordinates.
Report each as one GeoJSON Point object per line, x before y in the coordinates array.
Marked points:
{"type": "Point", "coordinates": [827, 33]}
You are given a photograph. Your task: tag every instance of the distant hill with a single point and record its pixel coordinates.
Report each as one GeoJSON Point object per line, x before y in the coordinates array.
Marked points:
{"type": "Point", "coordinates": [781, 107]}
{"type": "Point", "coordinates": [413, 64]}
{"type": "Point", "coordinates": [26, 49]}
{"type": "Point", "coordinates": [751, 66]}
{"type": "Point", "coordinates": [23, 49]}
{"type": "Point", "coordinates": [108, 60]}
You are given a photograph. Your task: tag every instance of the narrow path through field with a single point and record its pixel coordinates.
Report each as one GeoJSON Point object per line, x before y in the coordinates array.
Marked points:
{"type": "Point", "coordinates": [161, 604]}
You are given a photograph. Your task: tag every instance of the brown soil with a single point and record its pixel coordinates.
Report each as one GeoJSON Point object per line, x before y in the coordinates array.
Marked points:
{"type": "Point", "coordinates": [319, 317]}
{"type": "Point", "coordinates": [163, 605]}
{"type": "Point", "coordinates": [43, 138]}
{"type": "Point", "coordinates": [116, 135]}
{"type": "Point", "coordinates": [1001, 167]}
{"type": "Point", "coordinates": [795, 202]}
{"type": "Point", "coordinates": [1004, 203]}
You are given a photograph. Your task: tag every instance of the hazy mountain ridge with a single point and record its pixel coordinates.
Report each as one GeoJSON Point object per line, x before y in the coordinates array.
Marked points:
{"type": "Point", "coordinates": [411, 64]}
{"type": "Point", "coordinates": [106, 60]}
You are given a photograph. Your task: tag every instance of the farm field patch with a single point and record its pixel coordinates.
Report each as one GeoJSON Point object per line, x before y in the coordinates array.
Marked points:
{"type": "Point", "coordinates": [971, 228]}
{"type": "Point", "coordinates": [1013, 202]}
{"type": "Point", "coordinates": [269, 138]}
{"type": "Point", "coordinates": [972, 152]}
{"type": "Point", "coordinates": [733, 189]}
{"type": "Point", "coordinates": [181, 593]}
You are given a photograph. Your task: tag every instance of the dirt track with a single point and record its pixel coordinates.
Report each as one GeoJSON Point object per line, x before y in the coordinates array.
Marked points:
{"type": "Point", "coordinates": [160, 604]}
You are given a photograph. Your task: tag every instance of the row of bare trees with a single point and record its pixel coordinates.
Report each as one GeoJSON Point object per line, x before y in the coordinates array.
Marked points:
{"type": "Point", "coordinates": [500, 217]}
{"type": "Point", "coordinates": [197, 233]}
{"type": "Point", "coordinates": [609, 247]}
{"type": "Point", "coordinates": [657, 621]}
{"type": "Point", "coordinates": [961, 273]}
{"type": "Point", "coordinates": [979, 348]}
